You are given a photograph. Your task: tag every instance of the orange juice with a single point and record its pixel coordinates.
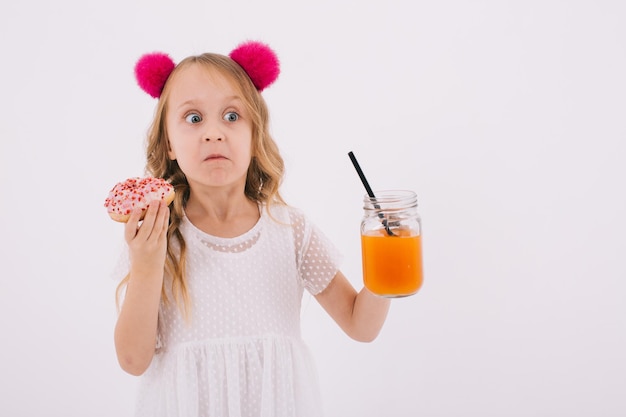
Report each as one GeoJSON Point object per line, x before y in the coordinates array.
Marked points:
{"type": "Point", "coordinates": [392, 265]}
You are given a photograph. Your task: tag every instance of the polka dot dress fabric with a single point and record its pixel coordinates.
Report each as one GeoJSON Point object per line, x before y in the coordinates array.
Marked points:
{"type": "Point", "coordinates": [241, 353]}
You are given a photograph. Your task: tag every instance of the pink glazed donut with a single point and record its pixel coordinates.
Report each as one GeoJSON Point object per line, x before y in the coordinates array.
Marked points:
{"type": "Point", "coordinates": [135, 193]}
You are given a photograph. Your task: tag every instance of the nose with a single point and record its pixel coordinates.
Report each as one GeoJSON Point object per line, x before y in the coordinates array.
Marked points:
{"type": "Point", "coordinates": [213, 134]}
{"type": "Point", "coordinates": [213, 138]}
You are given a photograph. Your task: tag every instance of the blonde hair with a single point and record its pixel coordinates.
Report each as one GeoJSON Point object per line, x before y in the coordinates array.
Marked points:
{"type": "Point", "coordinates": [263, 179]}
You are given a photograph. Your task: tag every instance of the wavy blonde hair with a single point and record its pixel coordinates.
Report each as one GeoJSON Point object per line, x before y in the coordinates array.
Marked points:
{"type": "Point", "coordinates": [263, 179]}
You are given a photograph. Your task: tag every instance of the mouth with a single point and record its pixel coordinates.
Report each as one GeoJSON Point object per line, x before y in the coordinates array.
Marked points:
{"type": "Point", "coordinates": [215, 157]}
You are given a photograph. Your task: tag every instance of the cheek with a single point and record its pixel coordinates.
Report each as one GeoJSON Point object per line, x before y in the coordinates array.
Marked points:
{"type": "Point", "coordinates": [185, 152]}
{"type": "Point", "coordinates": [247, 154]}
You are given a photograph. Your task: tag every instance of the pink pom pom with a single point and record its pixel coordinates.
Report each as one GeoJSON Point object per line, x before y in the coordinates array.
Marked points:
{"type": "Point", "coordinates": [152, 71]}
{"type": "Point", "coordinates": [259, 61]}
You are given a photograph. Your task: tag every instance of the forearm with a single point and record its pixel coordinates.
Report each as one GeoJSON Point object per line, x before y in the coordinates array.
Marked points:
{"type": "Point", "coordinates": [136, 328]}
{"type": "Point", "coordinates": [360, 314]}
{"type": "Point", "coordinates": [368, 315]}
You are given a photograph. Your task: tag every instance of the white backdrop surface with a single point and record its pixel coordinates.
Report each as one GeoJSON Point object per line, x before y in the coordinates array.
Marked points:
{"type": "Point", "coordinates": [506, 117]}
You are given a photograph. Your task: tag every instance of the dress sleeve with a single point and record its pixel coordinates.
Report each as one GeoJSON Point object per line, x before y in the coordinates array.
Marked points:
{"type": "Point", "coordinates": [317, 258]}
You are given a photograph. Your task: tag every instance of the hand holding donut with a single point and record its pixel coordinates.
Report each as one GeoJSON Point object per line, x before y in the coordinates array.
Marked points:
{"type": "Point", "coordinates": [143, 199]}
{"type": "Point", "coordinates": [147, 242]}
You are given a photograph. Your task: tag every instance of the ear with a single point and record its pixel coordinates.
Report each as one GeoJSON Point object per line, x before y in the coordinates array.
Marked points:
{"type": "Point", "coordinates": [170, 151]}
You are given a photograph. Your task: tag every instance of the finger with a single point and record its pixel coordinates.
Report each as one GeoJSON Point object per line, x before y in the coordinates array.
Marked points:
{"type": "Point", "coordinates": [130, 229]}
{"type": "Point", "coordinates": [164, 211]}
{"type": "Point", "coordinates": [159, 218]}
{"type": "Point", "coordinates": [161, 224]}
{"type": "Point", "coordinates": [145, 230]}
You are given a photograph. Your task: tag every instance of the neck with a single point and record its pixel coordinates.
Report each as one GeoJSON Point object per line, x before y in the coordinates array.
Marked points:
{"type": "Point", "coordinates": [221, 213]}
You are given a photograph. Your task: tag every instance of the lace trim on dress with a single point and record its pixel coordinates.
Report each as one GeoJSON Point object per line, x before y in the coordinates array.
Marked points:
{"type": "Point", "coordinates": [237, 244]}
{"type": "Point", "coordinates": [233, 248]}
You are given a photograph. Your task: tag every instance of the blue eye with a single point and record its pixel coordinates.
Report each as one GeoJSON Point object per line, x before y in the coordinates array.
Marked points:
{"type": "Point", "coordinates": [193, 118]}
{"type": "Point", "coordinates": [231, 116]}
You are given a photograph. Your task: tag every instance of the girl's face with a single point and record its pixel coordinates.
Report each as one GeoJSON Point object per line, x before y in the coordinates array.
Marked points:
{"type": "Point", "coordinates": [210, 133]}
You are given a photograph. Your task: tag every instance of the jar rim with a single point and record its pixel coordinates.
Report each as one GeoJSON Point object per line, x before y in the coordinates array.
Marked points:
{"type": "Point", "coordinates": [390, 194]}
{"type": "Point", "coordinates": [390, 198]}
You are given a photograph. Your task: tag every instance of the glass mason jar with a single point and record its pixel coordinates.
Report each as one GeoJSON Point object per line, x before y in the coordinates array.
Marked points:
{"type": "Point", "coordinates": [391, 246]}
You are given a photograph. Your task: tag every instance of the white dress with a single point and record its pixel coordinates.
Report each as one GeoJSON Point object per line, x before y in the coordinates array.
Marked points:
{"type": "Point", "coordinates": [242, 354]}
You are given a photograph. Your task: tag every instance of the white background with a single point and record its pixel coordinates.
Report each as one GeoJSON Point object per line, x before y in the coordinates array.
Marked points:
{"type": "Point", "coordinates": [506, 117]}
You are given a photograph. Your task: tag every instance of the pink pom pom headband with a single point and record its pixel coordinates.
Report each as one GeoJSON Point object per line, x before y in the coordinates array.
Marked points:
{"type": "Point", "coordinates": [257, 60]}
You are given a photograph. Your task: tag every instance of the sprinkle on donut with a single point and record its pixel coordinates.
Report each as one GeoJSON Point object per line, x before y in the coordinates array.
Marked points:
{"type": "Point", "coordinates": [136, 192]}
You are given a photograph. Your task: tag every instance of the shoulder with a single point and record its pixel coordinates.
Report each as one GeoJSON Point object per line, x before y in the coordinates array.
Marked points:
{"type": "Point", "coordinates": [283, 213]}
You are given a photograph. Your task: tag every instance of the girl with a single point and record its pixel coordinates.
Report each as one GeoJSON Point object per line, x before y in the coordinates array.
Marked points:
{"type": "Point", "coordinates": [211, 308]}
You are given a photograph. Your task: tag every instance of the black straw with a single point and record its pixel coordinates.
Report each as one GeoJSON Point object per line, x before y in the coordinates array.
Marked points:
{"type": "Point", "coordinates": [369, 190]}
{"type": "Point", "coordinates": [361, 175]}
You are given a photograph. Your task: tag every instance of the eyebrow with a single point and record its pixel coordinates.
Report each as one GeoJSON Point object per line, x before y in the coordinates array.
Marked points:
{"type": "Point", "coordinates": [193, 101]}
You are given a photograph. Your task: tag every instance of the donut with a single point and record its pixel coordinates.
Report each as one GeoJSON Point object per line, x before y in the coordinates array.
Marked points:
{"type": "Point", "coordinates": [136, 192]}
